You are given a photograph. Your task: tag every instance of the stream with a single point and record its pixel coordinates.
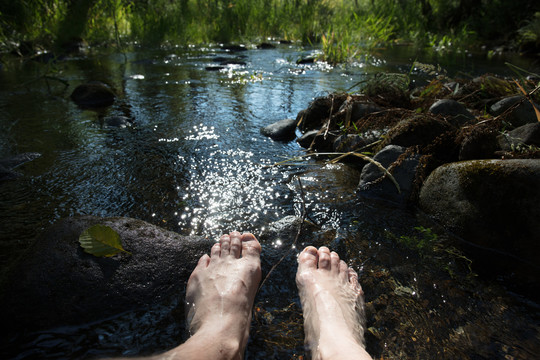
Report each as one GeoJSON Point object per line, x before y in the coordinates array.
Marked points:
{"type": "Point", "coordinates": [194, 162]}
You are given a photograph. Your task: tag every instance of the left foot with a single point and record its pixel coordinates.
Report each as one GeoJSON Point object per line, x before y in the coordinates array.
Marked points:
{"type": "Point", "coordinates": [221, 291]}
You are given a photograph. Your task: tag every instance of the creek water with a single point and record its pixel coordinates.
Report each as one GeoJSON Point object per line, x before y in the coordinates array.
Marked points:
{"type": "Point", "coordinates": [194, 162]}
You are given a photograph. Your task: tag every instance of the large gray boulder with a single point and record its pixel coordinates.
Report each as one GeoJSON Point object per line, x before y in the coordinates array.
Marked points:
{"type": "Point", "coordinates": [56, 283]}
{"type": "Point", "coordinates": [493, 206]}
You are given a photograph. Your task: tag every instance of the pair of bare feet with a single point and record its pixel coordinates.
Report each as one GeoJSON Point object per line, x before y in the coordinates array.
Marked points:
{"type": "Point", "coordinates": [222, 289]}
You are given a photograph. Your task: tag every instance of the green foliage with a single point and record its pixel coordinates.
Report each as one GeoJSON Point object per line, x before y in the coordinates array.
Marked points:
{"type": "Point", "coordinates": [423, 242]}
{"type": "Point", "coordinates": [101, 241]}
{"type": "Point", "coordinates": [343, 27]}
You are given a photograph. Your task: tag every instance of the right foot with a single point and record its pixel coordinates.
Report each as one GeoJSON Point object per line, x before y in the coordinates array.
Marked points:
{"type": "Point", "coordinates": [332, 303]}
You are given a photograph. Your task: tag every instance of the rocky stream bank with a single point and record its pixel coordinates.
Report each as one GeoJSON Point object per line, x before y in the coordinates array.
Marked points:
{"type": "Point", "coordinates": [464, 152]}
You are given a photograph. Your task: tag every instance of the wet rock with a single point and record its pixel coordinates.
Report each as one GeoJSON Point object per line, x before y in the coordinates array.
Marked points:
{"type": "Point", "coordinates": [521, 115]}
{"type": "Point", "coordinates": [318, 140]}
{"type": "Point", "coordinates": [421, 130]}
{"type": "Point", "coordinates": [479, 143]}
{"type": "Point", "coordinates": [214, 68]}
{"type": "Point", "coordinates": [319, 110]}
{"type": "Point", "coordinates": [452, 109]}
{"type": "Point", "coordinates": [354, 142]}
{"type": "Point", "coordinates": [93, 94]}
{"type": "Point", "coordinates": [235, 48]}
{"type": "Point", "coordinates": [306, 60]}
{"type": "Point", "coordinates": [117, 121]}
{"type": "Point", "coordinates": [359, 109]}
{"type": "Point", "coordinates": [57, 283]}
{"type": "Point", "coordinates": [493, 206]}
{"type": "Point", "coordinates": [373, 184]}
{"type": "Point", "coordinates": [523, 136]}
{"type": "Point", "coordinates": [283, 130]}
{"type": "Point", "coordinates": [266, 45]}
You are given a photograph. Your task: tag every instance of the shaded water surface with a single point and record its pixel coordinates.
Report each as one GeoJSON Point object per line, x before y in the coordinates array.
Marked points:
{"type": "Point", "coordinates": [194, 162]}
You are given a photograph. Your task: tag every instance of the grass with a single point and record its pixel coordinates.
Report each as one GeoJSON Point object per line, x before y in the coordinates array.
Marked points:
{"type": "Point", "coordinates": [344, 28]}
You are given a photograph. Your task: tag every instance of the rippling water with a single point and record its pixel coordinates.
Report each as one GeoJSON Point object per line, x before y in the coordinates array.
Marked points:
{"type": "Point", "coordinates": [195, 162]}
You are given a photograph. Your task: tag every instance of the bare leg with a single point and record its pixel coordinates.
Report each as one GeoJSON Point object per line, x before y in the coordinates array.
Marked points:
{"type": "Point", "coordinates": [220, 295]}
{"type": "Point", "coordinates": [332, 303]}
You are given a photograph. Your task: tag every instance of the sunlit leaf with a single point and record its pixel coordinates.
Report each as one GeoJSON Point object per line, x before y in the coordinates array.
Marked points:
{"type": "Point", "coordinates": [102, 241]}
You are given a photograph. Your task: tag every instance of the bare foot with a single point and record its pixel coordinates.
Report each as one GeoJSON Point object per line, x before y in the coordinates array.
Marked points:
{"type": "Point", "coordinates": [332, 303]}
{"type": "Point", "coordinates": [220, 294]}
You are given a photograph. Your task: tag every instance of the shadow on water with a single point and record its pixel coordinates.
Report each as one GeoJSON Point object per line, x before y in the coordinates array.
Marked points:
{"type": "Point", "coordinates": [194, 162]}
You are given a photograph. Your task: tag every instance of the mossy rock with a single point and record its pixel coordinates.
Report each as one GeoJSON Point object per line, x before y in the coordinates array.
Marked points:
{"type": "Point", "coordinates": [493, 206]}
{"type": "Point", "coordinates": [93, 94]}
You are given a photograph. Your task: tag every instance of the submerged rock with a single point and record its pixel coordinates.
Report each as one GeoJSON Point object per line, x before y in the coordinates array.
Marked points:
{"type": "Point", "coordinates": [93, 94]}
{"type": "Point", "coordinates": [117, 121]}
{"type": "Point", "coordinates": [493, 205]}
{"type": "Point", "coordinates": [283, 130]}
{"type": "Point", "coordinates": [56, 283]}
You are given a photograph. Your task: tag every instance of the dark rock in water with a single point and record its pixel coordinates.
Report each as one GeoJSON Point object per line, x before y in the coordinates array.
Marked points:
{"type": "Point", "coordinates": [318, 141]}
{"type": "Point", "coordinates": [235, 48]}
{"type": "Point", "coordinates": [93, 94]}
{"type": "Point", "coordinates": [214, 68]}
{"type": "Point", "coordinates": [283, 130]}
{"type": "Point", "coordinates": [419, 130]}
{"type": "Point", "coordinates": [521, 137]}
{"type": "Point", "coordinates": [56, 283]}
{"type": "Point", "coordinates": [285, 42]}
{"type": "Point", "coordinates": [372, 183]}
{"type": "Point", "coordinates": [358, 109]}
{"type": "Point", "coordinates": [306, 60]}
{"type": "Point", "coordinates": [493, 206]}
{"type": "Point", "coordinates": [265, 45]}
{"type": "Point", "coordinates": [117, 121]}
{"type": "Point", "coordinates": [521, 115]}
{"type": "Point", "coordinates": [319, 110]}
{"type": "Point", "coordinates": [354, 142]}
{"type": "Point", "coordinates": [451, 108]}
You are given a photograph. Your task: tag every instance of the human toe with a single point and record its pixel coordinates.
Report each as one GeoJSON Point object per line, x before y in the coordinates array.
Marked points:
{"type": "Point", "coordinates": [250, 245]}
{"type": "Point", "coordinates": [308, 259]}
{"type": "Point", "coordinates": [236, 244]}
{"type": "Point", "coordinates": [334, 263]}
{"type": "Point", "coordinates": [225, 242]}
{"type": "Point", "coordinates": [324, 258]}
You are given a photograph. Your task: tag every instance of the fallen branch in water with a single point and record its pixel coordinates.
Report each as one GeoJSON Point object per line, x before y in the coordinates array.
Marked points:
{"type": "Point", "coordinates": [343, 155]}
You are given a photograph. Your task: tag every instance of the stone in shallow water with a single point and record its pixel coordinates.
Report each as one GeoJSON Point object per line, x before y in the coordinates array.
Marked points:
{"type": "Point", "coordinates": [283, 130]}
{"type": "Point", "coordinates": [93, 94]}
{"type": "Point", "coordinates": [56, 283]}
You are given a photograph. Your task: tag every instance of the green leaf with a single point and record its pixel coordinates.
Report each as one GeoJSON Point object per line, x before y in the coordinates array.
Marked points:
{"type": "Point", "coordinates": [102, 241]}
